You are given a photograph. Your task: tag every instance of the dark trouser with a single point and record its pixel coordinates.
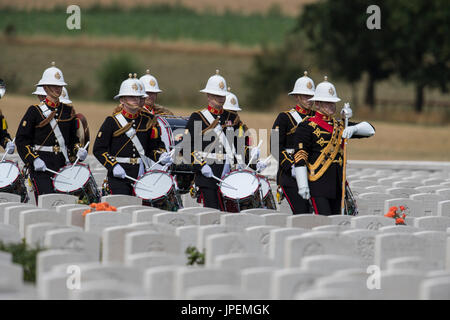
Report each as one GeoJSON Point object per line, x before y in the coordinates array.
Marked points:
{"type": "Point", "coordinates": [120, 186]}
{"type": "Point", "coordinates": [297, 203]}
{"type": "Point", "coordinates": [210, 197]}
{"type": "Point", "coordinates": [42, 183]}
{"type": "Point", "coordinates": [325, 206]}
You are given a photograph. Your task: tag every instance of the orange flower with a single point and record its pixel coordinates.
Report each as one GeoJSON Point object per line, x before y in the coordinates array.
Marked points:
{"type": "Point", "coordinates": [85, 212]}
{"type": "Point", "coordinates": [404, 216]}
{"type": "Point", "coordinates": [113, 208]}
{"type": "Point", "coordinates": [390, 214]}
{"type": "Point", "coordinates": [402, 208]}
{"type": "Point", "coordinates": [394, 209]}
{"type": "Point", "coordinates": [399, 221]}
{"type": "Point", "coordinates": [93, 205]}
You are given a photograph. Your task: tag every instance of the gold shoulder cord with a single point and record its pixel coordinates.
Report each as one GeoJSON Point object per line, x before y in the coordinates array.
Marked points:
{"type": "Point", "coordinates": [328, 154]}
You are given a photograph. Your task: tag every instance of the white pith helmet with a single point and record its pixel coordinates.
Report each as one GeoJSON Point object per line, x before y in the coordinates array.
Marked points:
{"type": "Point", "coordinates": [150, 82]}
{"type": "Point", "coordinates": [325, 92]}
{"type": "Point", "coordinates": [129, 87]}
{"type": "Point", "coordinates": [141, 86]}
{"type": "Point", "coordinates": [231, 102]}
{"type": "Point", "coordinates": [52, 76]}
{"type": "Point", "coordinates": [64, 97]}
{"type": "Point", "coordinates": [216, 85]}
{"type": "Point", "coordinates": [40, 91]}
{"type": "Point", "coordinates": [303, 85]}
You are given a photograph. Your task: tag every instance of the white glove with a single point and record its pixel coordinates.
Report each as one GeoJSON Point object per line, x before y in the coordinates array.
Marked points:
{"type": "Point", "coordinates": [260, 166]}
{"type": "Point", "coordinates": [165, 158]}
{"type": "Point", "coordinates": [349, 132]}
{"type": "Point", "coordinates": [207, 171]}
{"type": "Point", "coordinates": [39, 165]}
{"type": "Point", "coordinates": [119, 172]}
{"type": "Point", "coordinates": [293, 171]}
{"type": "Point", "coordinates": [82, 154]}
{"type": "Point", "coordinates": [302, 182]}
{"type": "Point", "coordinates": [255, 153]}
{"type": "Point", "coordinates": [347, 112]}
{"type": "Point", "coordinates": [362, 129]}
{"type": "Point", "coordinates": [10, 147]}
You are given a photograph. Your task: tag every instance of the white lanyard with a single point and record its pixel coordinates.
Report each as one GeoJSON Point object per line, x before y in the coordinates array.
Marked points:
{"type": "Point", "coordinates": [54, 125]}
{"type": "Point", "coordinates": [131, 133]}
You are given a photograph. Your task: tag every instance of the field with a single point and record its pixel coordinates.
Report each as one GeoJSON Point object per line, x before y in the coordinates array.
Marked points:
{"type": "Point", "coordinates": [287, 7]}
{"type": "Point", "coordinates": [391, 141]}
{"type": "Point", "coordinates": [154, 23]}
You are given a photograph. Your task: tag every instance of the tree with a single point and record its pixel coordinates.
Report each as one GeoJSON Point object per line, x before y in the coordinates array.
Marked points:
{"type": "Point", "coordinates": [342, 43]}
{"type": "Point", "coordinates": [421, 50]}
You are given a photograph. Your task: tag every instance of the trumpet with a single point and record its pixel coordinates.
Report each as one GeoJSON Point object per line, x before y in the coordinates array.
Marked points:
{"type": "Point", "coordinates": [2, 88]}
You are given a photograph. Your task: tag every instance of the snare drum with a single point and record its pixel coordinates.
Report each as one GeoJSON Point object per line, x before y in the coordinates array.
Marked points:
{"type": "Point", "coordinates": [240, 191]}
{"type": "Point", "coordinates": [267, 197]}
{"type": "Point", "coordinates": [12, 180]}
{"type": "Point", "coordinates": [158, 189]}
{"type": "Point", "coordinates": [77, 181]}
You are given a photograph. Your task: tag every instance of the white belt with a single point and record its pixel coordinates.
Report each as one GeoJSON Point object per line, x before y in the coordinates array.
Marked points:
{"type": "Point", "coordinates": [54, 149]}
{"type": "Point", "coordinates": [213, 156]}
{"type": "Point", "coordinates": [128, 160]}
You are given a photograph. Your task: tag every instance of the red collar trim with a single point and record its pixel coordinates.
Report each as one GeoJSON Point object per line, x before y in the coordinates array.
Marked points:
{"type": "Point", "coordinates": [214, 110]}
{"type": "Point", "coordinates": [302, 110]}
{"type": "Point", "coordinates": [130, 115]}
{"type": "Point", "coordinates": [51, 104]}
{"type": "Point", "coordinates": [319, 119]}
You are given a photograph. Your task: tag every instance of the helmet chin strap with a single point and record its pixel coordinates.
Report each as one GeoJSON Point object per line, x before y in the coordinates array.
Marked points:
{"type": "Point", "coordinates": [131, 108]}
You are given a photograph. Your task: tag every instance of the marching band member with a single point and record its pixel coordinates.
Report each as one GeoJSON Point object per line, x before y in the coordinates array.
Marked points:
{"type": "Point", "coordinates": [152, 90]}
{"type": "Point", "coordinates": [208, 163]}
{"type": "Point", "coordinates": [286, 123]}
{"type": "Point", "coordinates": [46, 137]}
{"type": "Point", "coordinates": [5, 138]}
{"type": "Point", "coordinates": [40, 93]}
{"type": "Point", "coordinates": [127, 138]}
{"type": "Point", "coordinates": [319, 151]}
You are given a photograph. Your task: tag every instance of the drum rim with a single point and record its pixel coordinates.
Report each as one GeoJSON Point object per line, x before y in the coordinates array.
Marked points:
{"type": "Point", "coordinates": [18, 176]}
{"type": "Point", "coordinates": [69, 165]}
{"type": "Point", "coordinates": [234, 172]}
{"type": "Point", "coordinates": [161, 197]}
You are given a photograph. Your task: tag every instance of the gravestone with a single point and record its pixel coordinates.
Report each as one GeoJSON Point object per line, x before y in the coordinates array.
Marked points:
{"type": "Point", "coordinates": [120, 200]}
{"type": "Point", "coordinates": [429, 202]}
{"type": "Point", "coordinates": [307, 221]}
{"type": "Point", "coordinates": [257, 282]}
{"type": "Point", "coordinates": [437, 223]}
{"type": "Point", "coordinates": [74, 241]}
{"type": "Point", "coordinates": [339, 219]}
{"type": "Point", "coordinates": [145, 215]}
{"type": "Point", "coordinates": [28, 217]}
{"type": "Point", "coordinates": [261, 234]}
{"type": "Point", "coordinates": [188, 236]}
{"type": "Point", "coordinates": [240, 221]}
{"type": "Point", "coordinates": [3, 206]}
{"type": "Point", "coordinates": [435, 289]}
{"type": "Point", "coordinates": [9, 197]}
{"type": "Point", "coordinates": [435, 243]}
{"type": "Point", "coordinates": [444, 192]}
{"type": "Point", "coordinates": [98, 221]}
{"type": "Point", "coordinates": [414, 208]}
{"type": "Point", "coordinates": [363, 244]}
{"type": "Point", "coordinates": [131, 209]}
{"type": "Point", "coordinates": [399, 229]}
{"type": "Point", "coordinates": [205, 231]}
{"type": "Point", "coordinates": [159, 282]}
{"type": "Point", "coordinates": [229, 243]}
{"type": "Point", "coordinates": [175, 219]}
{"type": "Point", "coordinates": [10, 277]}
{"type": "Point", "coordinates": [207, 218]}
{"type": "Point", "coordinates": [444, 208]}
{"type": "Point", "coordinates": [150, 241]}
{"type": "Point", "coordinates": [275, 219]}
{"type": "Point", "coordinates": [49, 258]}
{"type": "Point", "coordinates": [328, 263]}
{"type": "Point", "coordinates": [286, 283]}
{"type": "Point", "coordinates": [155, 259]}
{"type": "Point", "coordinates": [35, 233]}
{"type": "Point", "coordinates": [371, 222]}
{"type": "Point", "coordinates": [394, 245]}
{"type": "Point", "coordinates": [9, 234]}
{"type": "Point", "coordinates": [372, 203]}
{"type": "Point", "coordinates": [277, 243]}
{"type": "Point", "coordinates": [401, 192]}
{"type": "Point", "coordinates": [239, 261]}
{"type": "Point", "coordinates": [12, 214]}
{"type": "Point", "coordinates": [52, 200]}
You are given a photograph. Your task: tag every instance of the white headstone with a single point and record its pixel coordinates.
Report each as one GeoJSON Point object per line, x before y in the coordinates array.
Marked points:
{"type": "Point", "coordinates": [307, 221]}
{"type": "Point", "coordinates": [28, 217]}
{"type": "Point", "coordinates": [229, 243]}
{"type": "Point", "coordinates": [363, 244]}
{"type": "Point", "coordinates": [52, 200]}
{"type": "Point", "coordinates": [372, 203]}
{"type": "Point", "coordinates": [371, 222]}
{"type": "Point", "coordinates": [435, 289]}
{"type": "Point", "coordinates": [286, 283]}
{"type": "Point", "coordinates": [98, 221]}
{"type": "Point", "coordinates": [155, 259]}
{"type": "Point", "coordinates": [188, 236]}
{"type": "Point", "coordinates": [175, 219]}
{"type": "Point", "coordinates": [342, 220]}
{"type": "Point", "coordinates": [9, 234]}
{"type": "Point", "coordinates": [444, 208]}
{"type": "Point", "coordinates": [159, 282]}
{"type": "Point", "coordinates": [261, 234]}
{"type": "Point", "coordinates": [257, 281]}
{"type": "Point", "coordinates": [150, 241]}
{"type": "Point", "coordinates": [277, 242]}
{"type": "Point", "coordinates": [74, 241]}
{"type": "Point", "coordinates": [12, 214]}
{"type": "Point", "coordinates": [120, 200]}
{"type": "Point", "coordinates": [328, 263]}
{"type": "Point", "coordinates": [35, 233]}
{"type": "Point", "coordinates": [9, 197]}
{"type": "Point", "coordinates": [10, 277]}
{"type": "Point", "coordinates": [241, 220]}
{"type": "Point", "coordinates": [401, 192]}
{"type": "Point", "coordinates": [145, 215]}
{"type": "Point", "coordinates": [429, 202]}
{"type": "Point", "coordinates": [204, 231]}
{"type": "Point", "coordinates": [131, 209]}
{"type": "Point", "coordinates": [414, 208]}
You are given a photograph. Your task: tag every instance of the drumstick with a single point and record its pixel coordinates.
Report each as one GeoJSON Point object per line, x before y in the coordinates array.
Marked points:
{"type": "Point", "coordinates": [231, 187]}
{"type": "Point", "coordinates": [3, 158]}
{"type": "Point", "coordinates": [57, 173]}
{"type": "Point", "coordinates": [137, 181]}
{"type": "Point", "coordinates": [76, 161]}
{"type": "Point", "coordinates": [251, 159]}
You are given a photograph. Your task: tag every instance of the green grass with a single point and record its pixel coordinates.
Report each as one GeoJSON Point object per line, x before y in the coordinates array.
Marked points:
{"type": "Point", "coordinates": [156, 22]}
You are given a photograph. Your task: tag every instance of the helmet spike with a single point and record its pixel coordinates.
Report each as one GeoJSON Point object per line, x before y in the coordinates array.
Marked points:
{"type": "Point", "coordinates": [53, 63]}
{"type": "Point", "coordinates": [130, 75]}
{"type": "Point", "coordinates": [305, 73]}
{"type": "Point", "coordinates": [135, 75]}
{"type": "Point", "coordinates": [325, 78]}
{"type": "Point", "coordinates": [229, 89]}
{"type": "Point", "coordinates": [147, 71]}
{"type": "Point", "coordinates": [217, 71]}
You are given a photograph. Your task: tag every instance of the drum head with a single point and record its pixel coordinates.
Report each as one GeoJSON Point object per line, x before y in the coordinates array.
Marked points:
{"type": "Point", "coordinates": [71, 179]}
{"type": "Point", "coordinates": [244, 182]}
{"type": "Point", "coordinates": [8, 173]}
{"type": "Point", "coordinates": [265, 186]}
{"type": "Point", "coordinates": [166, 132]}
{"type": "Point", "coordinates": [159, 181]}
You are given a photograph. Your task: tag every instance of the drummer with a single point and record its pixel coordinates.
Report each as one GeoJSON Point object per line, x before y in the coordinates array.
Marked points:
{"type": "Point", "coordinates": [152, 90]}
{"type": "Point", "coordinates": [47, 134]}
{"type": "Point", "coordinates": [5, 138]}
{"type": "Point", "coordinates": [119, 154]}
{"type": "Point", "coordinates": [41, 95]}
{"type": "Point", "coordinates": [208, 164]}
